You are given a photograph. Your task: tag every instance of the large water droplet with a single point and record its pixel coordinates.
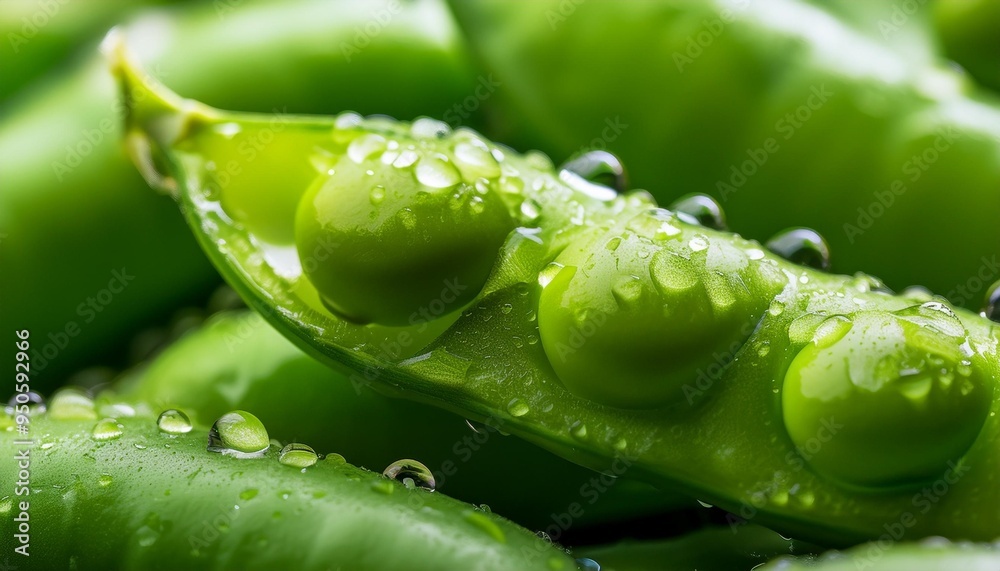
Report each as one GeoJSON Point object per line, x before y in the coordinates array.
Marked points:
{"type": "Point", "coordinates": [530, 210]}
{"type": "Point", "coordinates": [365, 146]}
{"type": "Point", "coordinates": [411, 474]}
{"type": "Point", "coordinates": [72, 404]}
{"type": "Point", "coordinates": [437, 172]}
{"type": "Point", "coordinates": [427, 128]}
{"type": "Point", "coordinates": [34, 401]}
{"type": "Point", "coordinates": [587, 564]}
{"type": "Point", "coordinates": [517, 407]}
{"type": "Point", "coordinates": [297, 455]}
{"type": "Point", "coordinates": [700, 209]}
{"type": "Point", "coordinates": [106, 429]}
{"type": "Point", "coordinates": [239, 434]}
{"type": "Point", "coordinates": [802, 246]}
{"type": "Point", "coordinates": [600, 167]}
{"type": "Point", "coordinates": [173, 421]}
{"type": "Point", "coordinates": [475, 160]}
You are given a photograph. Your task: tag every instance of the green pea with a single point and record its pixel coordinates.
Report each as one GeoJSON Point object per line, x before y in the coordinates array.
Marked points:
{"type": "Point", "coordinates": [407, 244]}
{"type": "Point", "coordinates": [870, 384]}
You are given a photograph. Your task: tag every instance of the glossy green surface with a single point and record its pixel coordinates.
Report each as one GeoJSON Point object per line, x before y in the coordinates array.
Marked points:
{"type": "Point", "coordinates": [237, 361]}
{"type": "Point", "coordinates": [722, 438]}
{"type": "Point", "coordinates": [838, 116]}
{"type": "Point", "coordinates": [66, 176]}
{"type": "Point", "coordinates": [149, 500]}
{"type": "Point", "coordinates": [933, 554]}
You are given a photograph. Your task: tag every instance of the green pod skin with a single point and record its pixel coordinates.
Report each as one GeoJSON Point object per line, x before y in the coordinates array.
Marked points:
{"type": "Point", "coordinates": [237, 361]}
{"type": "Point", "coordinates": [734, 434]}
{"type": "Point", "coordinates": [66, 176]}
{"type": "Point", "coordinates": [967, 30]}
{"type": "Point", "coordinates": [933, 554]}
{"type": "Point", "coordinates": [709, 549]}
{"type": "Point", "coordinates": [831, 115]}
{"type": "Point", "coordinates": [145, 499]}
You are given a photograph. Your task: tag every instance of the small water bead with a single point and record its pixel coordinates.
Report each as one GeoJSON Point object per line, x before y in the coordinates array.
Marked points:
{"type": "Point", "coordinates": [584, 186]}
{"type": "Point", "coordinates": [34, 401]}
{"type": "Point", "coordinates": [411, 474]}
{"type": "Point", "coordinates": [476, 205]}
{"type": "Point", "coordinates": [106, 429]}
{"type": "Point", "coordinates": [427, 128]}
{"type": "Point", "coordinates": [991, 309]}
{"type": "Point", "coordinates": [297, 455]}
{"type": "Point", "coordinates": [239, 434]}
{"type": "Point", "coordinates": [406, 159]}
{"type": "Point", "coordinates": [517, 407]}
{"type": "Point", "coordinates": [700, 209]}
{"type": "Point", "coordinates": [475, 160]}
{"type": "Point", "coordinates": [377, 194]}
{"type": "Point", "coordinates": [530, 210]}
{"type": "Point", "coordinates": [349, 120]}
{"type": "Point", "coordinates": [587, 564]}
{"type": "Point", "coordinates": [600, 167]}
{"type": "Point", "coordinates": [104, 480]}
{"type": "Point", "coordinates": [72, 404]}
{"type": "Point", "coordinates": [436, 171]}
{"type": "Point", "coordinates": [755, 253]}
{"type": "Point", "coordinates": [698, 243]}
{"type": "Point", "coordinates": [173, 421]}
{"type": "Point", "coordinates": [578, 430]}
{"type": "Point", "coordinates": [803, 246]}
{"type": "Point", "coordinates": [365, 147]}
{"type": "Point", "coordinates": [249, 494]}
{"type": "Point", "coordinates": [537, 160]}
{"type": "Point", "coordinates": [334, 459]}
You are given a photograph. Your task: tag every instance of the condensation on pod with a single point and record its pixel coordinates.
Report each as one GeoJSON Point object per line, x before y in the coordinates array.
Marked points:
{"type": "Point", "coordinates": [403, 228]}
{"type": "Point", "coordinates": [599, 167]}
{"type": "Point", "coordinates": [106, 429]}
{"type": "Point", "coordinates": [631, 317]}
{"type": "Point", "coordinates": [72, 404]}
{"type": "Point", "coordinates": [803, 246]}
{"type": "Point", "coordinates": [411, 474]}
{"type": "Point", "coordinates": [893, 397]}
{"type": "Point", "coordinates": [700, 209]}
{"type": "Point", "coordinates": [991, 307]}
{"type": "Point", "coordinates": [238, 434]}
{"type": "Point", "coordinates": [173, 421]}
{"type": "Point", "coordinates": [297, 455]}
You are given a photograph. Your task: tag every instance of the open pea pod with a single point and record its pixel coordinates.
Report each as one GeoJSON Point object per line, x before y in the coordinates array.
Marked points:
{"type": "Point", "coordinates": [140, 492]}
{"type": "Point", "coordinates": [237, 361]}
{"type": "Point", "coordinates": [443, 268]}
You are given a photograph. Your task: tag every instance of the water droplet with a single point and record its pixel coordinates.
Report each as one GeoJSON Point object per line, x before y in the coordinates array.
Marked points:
{"type": "Point", "coordinates": [334, 459]}
{"type": "Point", "coordinates": [991, 309]}
{"type": "Point", "coordinates": [700, 209]}
{"type": "Point", "coordinates": [802, 246]}
{"type": "Point", "coordinates": [411, 473]}
{"type": "Point", "coordinates": [578, 430]}
{"type": "Point", "coordinates": [627, 291]}
{"type": "Point", "coordinates": [297, 455]}
{"type": "Point", "coordinates": [34, 401]}
{"type": "Point", "coordinates": [427, 128]}
{"type": "Point", "coordinates": [764, 349]}
{"type": "Point", "coordinates": [406, 159]}
{"type": "Point", "coordinates": [548, 273]}
{"type": "Point", "coordinates": [704, 504]}
{"type": "Point", "coordinates": [776, 308]}
{"type": "Point", "coordinates": [698, 243]}
{"type": "Point", "coordinates": [587, 564]}
{"type": "Point", "coordinates": [173, 421]}
{"type": "Point", "coordinates": [620, 444]}
{"type": "Point", "coordinates": [755, 253]}
{"type": "Point", "coordinates": [476, 205]}
{"type": "Point", "coordinates": [364, 147]}
{"type": "Point", "coordinates": [72, 404]}
{"type": "Point", "coordinates": [106, 429]}
{"type": "Point", "coordinates": [530, 210]}
{"type": "Point", "coordinates": [348, 120]}
{"type": "Point", "coordinates": [584, 186]}
{"type": "Point", "coordinates": [228, 130]}
{"type": "Point", "coordinates": [6, 504]}
{"type": "Point", "coordinates": [238, 434]}
{"type": "Point", "coordinates": [506, 308]}
{"type": "Point", "coordinates": [248, 494]}
{"type": "Point", "coordinates": [476, 160]}
{"type": "Point", "coordinates": [437, 172]}
{"type": "Point", "coordinates": [613, 243]}
{"type": "Point", "coordinates": [600, 167]}
{"type": "Point", "coordinates": [377, 194]}
{"type": "Point", "coordinates": [517, 407]}
{"type": "Point", "coordinates": [538, 160]}
{"type": "Point", "coordinates": [104, 480]}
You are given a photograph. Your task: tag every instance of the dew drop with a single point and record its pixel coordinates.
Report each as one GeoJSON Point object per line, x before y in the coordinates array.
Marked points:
{"type": "Point", "coordinates": [249, 494]}
{"type": "Point", "coordinates": [238, 434]}
{"type": "Point", "coordinates": [600, 167]}
{"type": "Point", "coordinates": [427, 128]}
{"type": "Point", "coordinates": [297, 455]}
{"type": "Point", "coordinates": [530, 210]}
{"type": "Point", "coordinates": [30, 398]}
{"type": "Point", "coordinates": [411, 474]}
{"type": "Point", "coordinates": [106, 429]}
{"type": "Point", "coordinates": [613, 243]}
{"type": "Point", "coordinates": [698, 243]}
{"type": "Point", "coordinates": [173, 421]}
{"type": "Point", "coordinates": [991, 309]}
{"type": "Point", "coordinates": [72, 404]}
{"type": "Point", "coordinates": [377, 194]}
{"type": "Point", "coordinates": [803, 246]}
{"type": "Point", "coordinates": [700, 209]}
{"type": "Point", "coordinates": [365, 146]}
{"type": "Point", "coordinates": [334, 459]}
{"type": "Point", "coordinates": [348, 120]}
{"type": "Point", "coordinates": [406, 159]}
{"type": "Point", "coordinates": [587, 564]}
{"type": "Point", "coordinates": [517, 407]}
{"type": "Point", "coordinates": [437, 172]}
{"type": "Point", "coordinates": [104, 480]}
{"type": "Point", "coordinates": [475, 160]}
{"type": "Point", "coordinates": [578, 430]}
{"type": "Point", "coordinates": [548, 273]}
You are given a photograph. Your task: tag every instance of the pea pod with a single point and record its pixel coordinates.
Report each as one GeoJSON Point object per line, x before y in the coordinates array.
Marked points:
{"type": "Point", "coordinates": [129, 493]}
{"type": "Point", "coordinates": [934, 554]}
{"type": "Point", "coordinates": [836, 117]}
{"type": "Point", "coordinates": [607, 330]}
{"type": "Point", "coordinates": [967, 32]}
{"type": "Point", "coordinates": [236, 361]}
{"type": "Point", "coordinates": [65, 175]}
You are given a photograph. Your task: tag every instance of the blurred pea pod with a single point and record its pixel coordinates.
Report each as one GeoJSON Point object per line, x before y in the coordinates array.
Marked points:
{"type": "Point", "coordinates": [787, 112]}
{"type": "Point", "coordinates": [237, 361]}
{"type": "Point", "coordinates": [42, 34]}
{"type": "Point", "coordinates": [87, 252]}
{"type": "Point", "coordinates": [968, 32]}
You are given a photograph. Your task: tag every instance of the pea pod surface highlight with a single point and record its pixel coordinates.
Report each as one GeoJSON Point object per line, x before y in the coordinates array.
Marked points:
{"type": "Point", "coordinates": [729, 365]}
